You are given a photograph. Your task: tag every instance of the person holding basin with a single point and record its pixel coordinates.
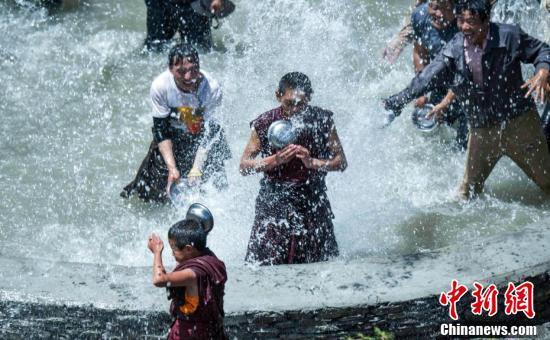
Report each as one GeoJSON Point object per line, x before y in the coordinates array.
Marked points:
{"type": "Point", "coordinates": [293, 220]}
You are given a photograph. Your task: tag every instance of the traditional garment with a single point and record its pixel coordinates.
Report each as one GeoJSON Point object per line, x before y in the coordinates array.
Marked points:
{"type": "Point", "coordinates": [189, 122]}
{"type": "Point", "coordinates": [293, 222]}
{"type": "Point", "coordinates": [151, 178]}
{"type": "Point", "coordinates": [203, 320]}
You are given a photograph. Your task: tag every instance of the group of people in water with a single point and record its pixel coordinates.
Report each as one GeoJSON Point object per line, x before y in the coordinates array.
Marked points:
{"type": "Point", "coordinates": [468, 67]}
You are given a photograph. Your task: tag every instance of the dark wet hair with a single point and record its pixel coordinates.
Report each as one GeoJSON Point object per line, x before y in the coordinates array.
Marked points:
{"type": "Point", "coordinates": [181, 52]}
{"type": "Point", "coordinates": [481, 8]}
{"type": "Point", "coordinates": [295, 81]}
{"type": "Point", "coordinates": [188, 232]}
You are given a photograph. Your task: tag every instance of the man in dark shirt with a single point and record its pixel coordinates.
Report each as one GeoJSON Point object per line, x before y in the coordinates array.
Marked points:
{"type": "Point", "coordinates": [482, 65]}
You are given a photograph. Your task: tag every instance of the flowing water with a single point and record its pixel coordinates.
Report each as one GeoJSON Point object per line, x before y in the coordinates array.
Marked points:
{"type": "Point", "coordinates": [76, 125]}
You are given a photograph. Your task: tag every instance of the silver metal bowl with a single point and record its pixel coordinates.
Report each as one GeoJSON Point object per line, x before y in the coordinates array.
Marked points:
{"type": "Point", "coordinates": [280, 134]}
{"type": "Point", "coordinates": [420, 121]}
{"type": "Point", "coordinates": [178, 190]}
{"type": "Point", "coordinates": [200, 213]}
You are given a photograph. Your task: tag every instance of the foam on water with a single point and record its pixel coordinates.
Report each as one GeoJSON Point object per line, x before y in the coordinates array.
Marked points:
{"type": "Point", "coordinates": [76, 125]}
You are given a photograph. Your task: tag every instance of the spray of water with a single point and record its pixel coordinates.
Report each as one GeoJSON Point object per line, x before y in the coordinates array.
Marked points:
{"type": "Point", "coordinates": [76, 124]}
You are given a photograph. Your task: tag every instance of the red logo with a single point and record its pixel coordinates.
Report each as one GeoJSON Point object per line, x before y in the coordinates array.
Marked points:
{"type": "Point", "coordinates": [516, 299]}
{"type": "Point", "coordinates": [484, 299]}
{"type": "Point", "coordinates": [452, 297]}
{"type": "Point", "coordinates": [520, 299]}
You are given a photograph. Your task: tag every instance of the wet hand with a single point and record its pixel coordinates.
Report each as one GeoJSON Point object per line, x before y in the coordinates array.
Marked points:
{"type": "Point", "coordinates": [303, 154]}
{"type": "Point", "coordinates": [438, 111]}
{"type": "Point", "coordinates": [538, 85]}
{"type": "Point", "coordinates": [286, 154]}
{"type": "Point", "coordinates": [173, 177]}
{"type": "Point", "coordinates": [155, 244]}
{"type": "Point", "coordinates": [194, 176]}
{"type": "Point", "coordinates": [421, 101]}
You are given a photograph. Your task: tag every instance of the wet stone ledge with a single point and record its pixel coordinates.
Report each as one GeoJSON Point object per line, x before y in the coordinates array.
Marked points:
{"type": "Point", "coordinates": [418, 318]}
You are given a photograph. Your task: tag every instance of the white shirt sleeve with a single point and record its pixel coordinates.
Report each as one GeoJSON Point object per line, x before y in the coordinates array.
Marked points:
{"type": "Point", "coordinates": [159, 101]}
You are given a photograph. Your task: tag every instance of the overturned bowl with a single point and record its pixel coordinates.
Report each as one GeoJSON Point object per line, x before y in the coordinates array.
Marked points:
{"type": "Point", "coordinates": [280, 134]}
{"type": "Point", "coordinates": [200, 213]}
{"type": "Point", "coordinates": [421, 122]}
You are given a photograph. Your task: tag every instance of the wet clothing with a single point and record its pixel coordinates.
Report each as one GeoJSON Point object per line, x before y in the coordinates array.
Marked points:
{"type": "Point", "coordinates": [500, 98]}
{"type": "Point", "coordinates": [166, 17]}
{"type": "Point", "coordinates": [151, 178]}
{"type": "Point", "coordinates": [546, 123]}
{"type": "Point", "coordinates": [206, 321]}
{"type": "Point", "coordinates": [184, 110]}
{"type": "Point", "coordinates": [433, 40]}
{"type": "Point", "coordinates": [50, 3]}
{"type": "Point", "coordinates": [188, 120]}
{"type": "Point", "coordinates": [293, 221]}
{"type": "Point", "coordinates": [502, 121]}
{"type": "Point", "coordinates": [428, 36]}
{"type": "Point", "coordinates": [521, 139]}
{"type": "Point", "coordinates": [473, 55]}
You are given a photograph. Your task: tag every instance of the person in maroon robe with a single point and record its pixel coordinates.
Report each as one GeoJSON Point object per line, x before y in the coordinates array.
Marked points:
{"type": "Point", "coordinates": [196, 286]}
{"type": "Point", "coordinates": [293, 222]}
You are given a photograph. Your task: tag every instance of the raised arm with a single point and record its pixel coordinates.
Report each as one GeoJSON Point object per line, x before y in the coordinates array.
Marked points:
{"type": "Point", "coordinates": [435, 74]}
{"type": "Point", "coordinates": [182, 278]}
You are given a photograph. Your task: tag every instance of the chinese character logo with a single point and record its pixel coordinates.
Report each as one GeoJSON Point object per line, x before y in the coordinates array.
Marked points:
{"type": "Point", "coordinates": [519, 299]}
{"type": "Point", "coordinates": [484, 299]}
{"type": "Point", "coordinates": [452, 297]}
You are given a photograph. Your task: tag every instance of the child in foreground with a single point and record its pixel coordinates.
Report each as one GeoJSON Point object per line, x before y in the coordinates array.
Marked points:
{"type": "Point", "coordinates": [196, 286]}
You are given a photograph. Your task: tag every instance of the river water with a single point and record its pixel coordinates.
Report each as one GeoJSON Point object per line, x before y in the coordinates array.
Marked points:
{"type": "Point", "coordinates": [76, 125]}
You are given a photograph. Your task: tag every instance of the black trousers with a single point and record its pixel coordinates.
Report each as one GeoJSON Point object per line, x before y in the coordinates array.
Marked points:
{"type": "Point", "coordinates": [165, 18]}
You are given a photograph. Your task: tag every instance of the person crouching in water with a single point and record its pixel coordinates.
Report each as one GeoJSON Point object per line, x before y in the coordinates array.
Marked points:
{"type": "Point", "coordinates": [187, 138]}
{"type": "Point", "coordinates": [196, 286]}
{"type": "Point", "coordinates": [293, 222]}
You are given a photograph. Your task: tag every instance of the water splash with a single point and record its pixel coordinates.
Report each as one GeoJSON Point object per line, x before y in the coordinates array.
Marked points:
{"type": "Point", "coordinates": [74, 94]}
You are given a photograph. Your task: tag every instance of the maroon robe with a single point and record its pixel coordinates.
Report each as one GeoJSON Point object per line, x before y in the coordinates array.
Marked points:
{"type": "Point", "coordinates": [293, 222]}
{"type": "Point", "coordinates": [206, 322]}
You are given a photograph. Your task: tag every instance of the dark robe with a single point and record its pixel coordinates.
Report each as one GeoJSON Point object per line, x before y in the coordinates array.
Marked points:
{"type": "Point", "coordinates": [151, 179]}
{"type": "Point", "coordinates": [206, 322]}
{"type": "Point", "coordinates": [293, 222]}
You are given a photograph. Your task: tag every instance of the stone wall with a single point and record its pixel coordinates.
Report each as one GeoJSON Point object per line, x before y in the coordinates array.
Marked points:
{"type": "Point", "coordinates": [418, 318]}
